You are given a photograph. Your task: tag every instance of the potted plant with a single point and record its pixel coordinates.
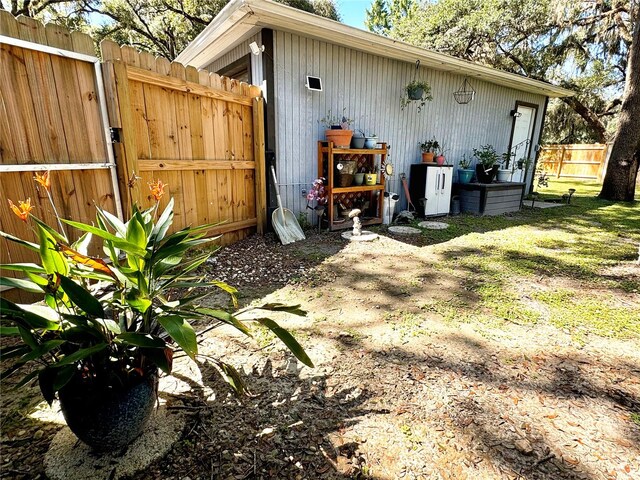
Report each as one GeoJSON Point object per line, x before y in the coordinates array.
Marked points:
{"type": "Point", "coordinates": [358, 139]}
{"type": "Point", "coordinates": [371, 141]}
{"type": "Point", "coordinates": [465, 172]}
{"type": "Point", "coordinates": [106, 328]}
{"type": "Point", "coordinates": [428, 149]}
{"type": "Point", "coordinates": [522, 168]}
{"type": "Point", "coordinates": [337, 129]}
{"type": "Point", "coordinates": [487, 163]}
{"type": "Point", "coordinates": [439, 154]}
{"type": "Point", "coordinates": [505, 174]}
{"type": "Point", "coordinates": [416, 91]}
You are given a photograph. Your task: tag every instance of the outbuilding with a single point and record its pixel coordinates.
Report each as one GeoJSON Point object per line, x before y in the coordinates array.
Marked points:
{"type": "Point", "coordinates": [362, 75]}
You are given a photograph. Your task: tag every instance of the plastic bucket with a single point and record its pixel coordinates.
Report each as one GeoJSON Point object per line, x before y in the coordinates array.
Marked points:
{"type": "Point", "coordinates": [389, 206]}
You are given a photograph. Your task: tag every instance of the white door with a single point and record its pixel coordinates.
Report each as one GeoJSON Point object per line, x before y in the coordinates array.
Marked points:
{"type": "Point", "coordinates": [522, 137]}
{"type": "Point", "coordinates": [432, 191]}
{"type": "Point", "coordinates": [445, 190]}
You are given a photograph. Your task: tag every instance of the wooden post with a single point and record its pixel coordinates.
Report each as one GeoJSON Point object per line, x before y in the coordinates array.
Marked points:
{"type": "Point", "coordinates": [127, 154]}
{"type": "Point", "coordinates": [259, 159]}
{"type": "Point", "coordinates": [560, 164]}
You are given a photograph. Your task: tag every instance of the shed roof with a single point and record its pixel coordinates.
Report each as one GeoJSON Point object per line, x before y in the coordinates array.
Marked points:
{"type": "Point", "coordinates": [241, 19]}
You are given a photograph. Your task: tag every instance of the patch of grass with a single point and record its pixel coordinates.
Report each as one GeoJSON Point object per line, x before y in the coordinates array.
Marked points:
{"type": "Point", "coordinates": [635, 418]}
{"type": "Point", "coordinates": [589, 314]}
{"type": "Point", "coordinates": [407, 324]}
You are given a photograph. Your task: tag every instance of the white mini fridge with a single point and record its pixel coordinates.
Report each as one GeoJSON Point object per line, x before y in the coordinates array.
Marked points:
{"type": "Point", "coordinates": [430, 188]}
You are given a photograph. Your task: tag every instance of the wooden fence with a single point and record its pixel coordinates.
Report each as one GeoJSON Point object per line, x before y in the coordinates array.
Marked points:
{"type": "Point", "coordinates": [50, 119]}
{"type": "Point", "coordinates": [575, 161]}
{"type": "Point", "coordinates": [201, 134]}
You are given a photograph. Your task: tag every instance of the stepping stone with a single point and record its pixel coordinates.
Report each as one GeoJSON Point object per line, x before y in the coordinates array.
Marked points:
{"type": "Point", "coordinates": [365, 236]}
{"type": "Point", "coordinates": [401, 230]}
{"type": "Point", "coordinates": [70, 459]}
{"type": "Point", "coordinates": [433, 225]}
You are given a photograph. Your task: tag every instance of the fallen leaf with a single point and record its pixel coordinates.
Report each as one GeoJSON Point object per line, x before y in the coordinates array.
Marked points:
{"type": "Point", "coordinates": [515, 400]}
{"type": "Point", "coordinates": [571, 460]}
{"type": "Point", "coordinates": [552, 416]}
{"type": "Point", "coordinates": [627, 468]}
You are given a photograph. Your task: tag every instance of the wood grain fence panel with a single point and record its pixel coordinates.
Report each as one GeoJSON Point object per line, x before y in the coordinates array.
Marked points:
{"type": "Point", "coordinates": [586, 161]}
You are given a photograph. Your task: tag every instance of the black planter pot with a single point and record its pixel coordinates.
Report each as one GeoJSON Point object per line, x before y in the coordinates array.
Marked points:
{"type": "Point", "coordinates": [415, 93]}
{"type": "Point", "coordinates": [486, 176]}
{"type": "Point", "coordinates": [106, 418]}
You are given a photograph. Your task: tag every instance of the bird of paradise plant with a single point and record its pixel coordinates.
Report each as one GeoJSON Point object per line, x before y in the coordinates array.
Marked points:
{"type": "Point", "coordinates": [110, 321]}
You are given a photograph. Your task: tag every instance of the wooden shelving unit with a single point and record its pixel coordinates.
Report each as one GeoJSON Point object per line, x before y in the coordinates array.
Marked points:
{"type": "Point", "coordinates": [372, 159]}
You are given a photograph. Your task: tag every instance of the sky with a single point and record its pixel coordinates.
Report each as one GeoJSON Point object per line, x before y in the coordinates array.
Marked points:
{"type": "Point", "coordinates": [352, 11]}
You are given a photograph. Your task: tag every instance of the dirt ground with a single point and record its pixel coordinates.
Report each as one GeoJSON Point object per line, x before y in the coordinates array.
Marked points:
{"type": "Point", "coordinates": [397, 390]}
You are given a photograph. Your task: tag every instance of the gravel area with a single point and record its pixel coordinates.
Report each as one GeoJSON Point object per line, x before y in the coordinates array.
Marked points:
{"type": "Point", "coordinates": [397, 391]}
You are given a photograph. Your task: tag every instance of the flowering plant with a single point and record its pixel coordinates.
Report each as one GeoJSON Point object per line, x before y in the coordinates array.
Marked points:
{"type": "Point", "coordinates": [318, 192]}
{"type": "Point", "coordinates": [109, 323]}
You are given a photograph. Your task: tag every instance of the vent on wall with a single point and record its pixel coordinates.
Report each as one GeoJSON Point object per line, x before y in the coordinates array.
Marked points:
{"type": "Point", "coordinates": [314, 83]}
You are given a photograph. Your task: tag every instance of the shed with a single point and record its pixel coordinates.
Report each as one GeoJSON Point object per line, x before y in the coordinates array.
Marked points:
{"type": "Point", "coordinates": [363, 74]}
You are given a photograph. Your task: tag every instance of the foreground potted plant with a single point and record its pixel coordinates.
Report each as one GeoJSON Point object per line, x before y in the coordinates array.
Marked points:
{"type": "Point", "coordinates": [106, 328]}
{"type": "Point", "coordinates": [416, 91]}
{"type": "Point", "coordinates": [487, 164]}
{"type": "Point", "coordinates": [337, 129]}
{"type": "Point", "coordinates": [504, 174]}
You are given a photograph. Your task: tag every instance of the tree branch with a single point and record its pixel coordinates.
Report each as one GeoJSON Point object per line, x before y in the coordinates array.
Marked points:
{"type": "Point", "coordinates": [589, 117]}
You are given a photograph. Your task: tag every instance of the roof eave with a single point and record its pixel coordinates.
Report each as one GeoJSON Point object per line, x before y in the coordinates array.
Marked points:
{"type": "Point", "coordinates": [242, 17]}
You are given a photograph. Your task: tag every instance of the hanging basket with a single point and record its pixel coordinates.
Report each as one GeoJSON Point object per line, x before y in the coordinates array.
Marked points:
{"type": "Point", "coordinates": [465, 93]}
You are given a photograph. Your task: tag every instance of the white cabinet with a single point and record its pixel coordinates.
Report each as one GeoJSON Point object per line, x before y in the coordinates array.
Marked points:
{"type": "Point", "coordinates": [430, 188]}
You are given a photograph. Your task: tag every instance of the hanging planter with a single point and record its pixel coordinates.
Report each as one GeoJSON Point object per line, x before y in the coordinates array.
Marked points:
{"type": "Point", "coordinates": [465, 93]}
{"type": "Point", "coordinates": [416, 91]}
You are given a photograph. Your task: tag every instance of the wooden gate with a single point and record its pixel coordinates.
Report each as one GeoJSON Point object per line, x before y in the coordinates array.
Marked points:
{"type": "Point", "coordinates": [52, 117]}
{"type": "Point", "coordinates": [199, 133]}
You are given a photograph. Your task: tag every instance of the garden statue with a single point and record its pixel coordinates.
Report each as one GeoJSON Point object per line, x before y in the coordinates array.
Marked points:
{"type": "Point", "coordinates": [357, 225]}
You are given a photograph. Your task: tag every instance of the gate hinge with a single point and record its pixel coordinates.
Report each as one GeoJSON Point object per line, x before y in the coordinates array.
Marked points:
{"type": "Point", "coordinates": [115, 135]}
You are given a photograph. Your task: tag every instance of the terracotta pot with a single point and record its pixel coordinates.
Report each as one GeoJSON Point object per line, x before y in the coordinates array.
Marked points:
{"type": "Point", "coordinates": [440, 159]}
{"type": "Point", "coordinates": [340, 138]}
{"type": "Point", "coordinates": [427, 157]}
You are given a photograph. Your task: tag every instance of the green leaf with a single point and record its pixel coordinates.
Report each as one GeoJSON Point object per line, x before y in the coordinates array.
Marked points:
{"type": "Point", "coordinates": [225, 317]}
{"type": "Point", "coordinates": [81, 354]}
{"type": "Point", "coordinates": [82, 244]}
{"type": "Point", "coordinates": [46, 379]}
{"type": "Point", "coordinates": [163, 224]}
{"type": "Point", "coordinates": [21, 283]}
{"type": "Point", "coordinates": [113, 221]}
{"type": "Point", "coordinates": [26, 379]}
{"type": "Point", "coordinates": [181, 332]}
{"type": "Point", "coordinates": [9, 331]}
{"type": "Point", "coordinates": [139, 303]}
{"type": "Point", "coordinates": [52, 261]}
{"type": "Point", "coordinates": [232, 377]}
{"type": "Point", "coordinates": [51, 231]}
{"type": "Point", "coordinates": [287, 339]}
{"type": "Point", "coordinates": [13, 351]}
{"type": "Point", "coordinates": [22, 267]}
{"type": "Point", "coordinates": [281, 307]}
{"type": "Point", "coordinates": [141, 340]}
{"type": "Point", "coordinates": [41, 351]}
{"type": "Point", "coordinates": [120, 243]}
{"type": "Point", "coordinates": [30, 245]}
{"type": "Point", "coordinates": [81, 297]}
{"type": "Point", "coordinates": [22, 317]}
{"type": "Point", "coordinates": [162, 358]}
{"type": "Point", "coordinates": [135, 231]}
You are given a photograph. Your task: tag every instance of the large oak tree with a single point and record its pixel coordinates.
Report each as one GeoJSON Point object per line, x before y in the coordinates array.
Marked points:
{"type": "Point", "coordinates": [583, 45]}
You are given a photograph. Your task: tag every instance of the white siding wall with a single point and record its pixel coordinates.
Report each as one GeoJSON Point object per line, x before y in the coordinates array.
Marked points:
{"type": "Point", "coordinates": [370, 87]}
{"type": "Point", "coordinates": [239, 51]}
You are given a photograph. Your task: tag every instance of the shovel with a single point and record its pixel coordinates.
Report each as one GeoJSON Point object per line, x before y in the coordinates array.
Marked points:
{"type": "Point", "coordinates": [284, 221]}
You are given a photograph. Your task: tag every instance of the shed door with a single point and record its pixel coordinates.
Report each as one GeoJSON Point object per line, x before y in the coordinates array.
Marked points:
{"type": "Point", "coordinates": [522, 136]}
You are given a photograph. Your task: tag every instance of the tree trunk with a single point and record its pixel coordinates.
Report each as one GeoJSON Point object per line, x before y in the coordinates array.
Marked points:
{"type": "Point", "coordinates": [620, 181]}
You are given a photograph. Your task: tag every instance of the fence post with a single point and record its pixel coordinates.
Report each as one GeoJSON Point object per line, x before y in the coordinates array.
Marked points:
{"type": "Point", "coordinates": [561, 161]}
{"type": "Point", "coordinates": [126, 151]}
{"type": "Point", "coordinates": [259, 158]}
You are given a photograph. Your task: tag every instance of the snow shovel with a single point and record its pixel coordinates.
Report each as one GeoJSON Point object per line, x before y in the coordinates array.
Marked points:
{"type": "Point", "coordinates": [284, 221]}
